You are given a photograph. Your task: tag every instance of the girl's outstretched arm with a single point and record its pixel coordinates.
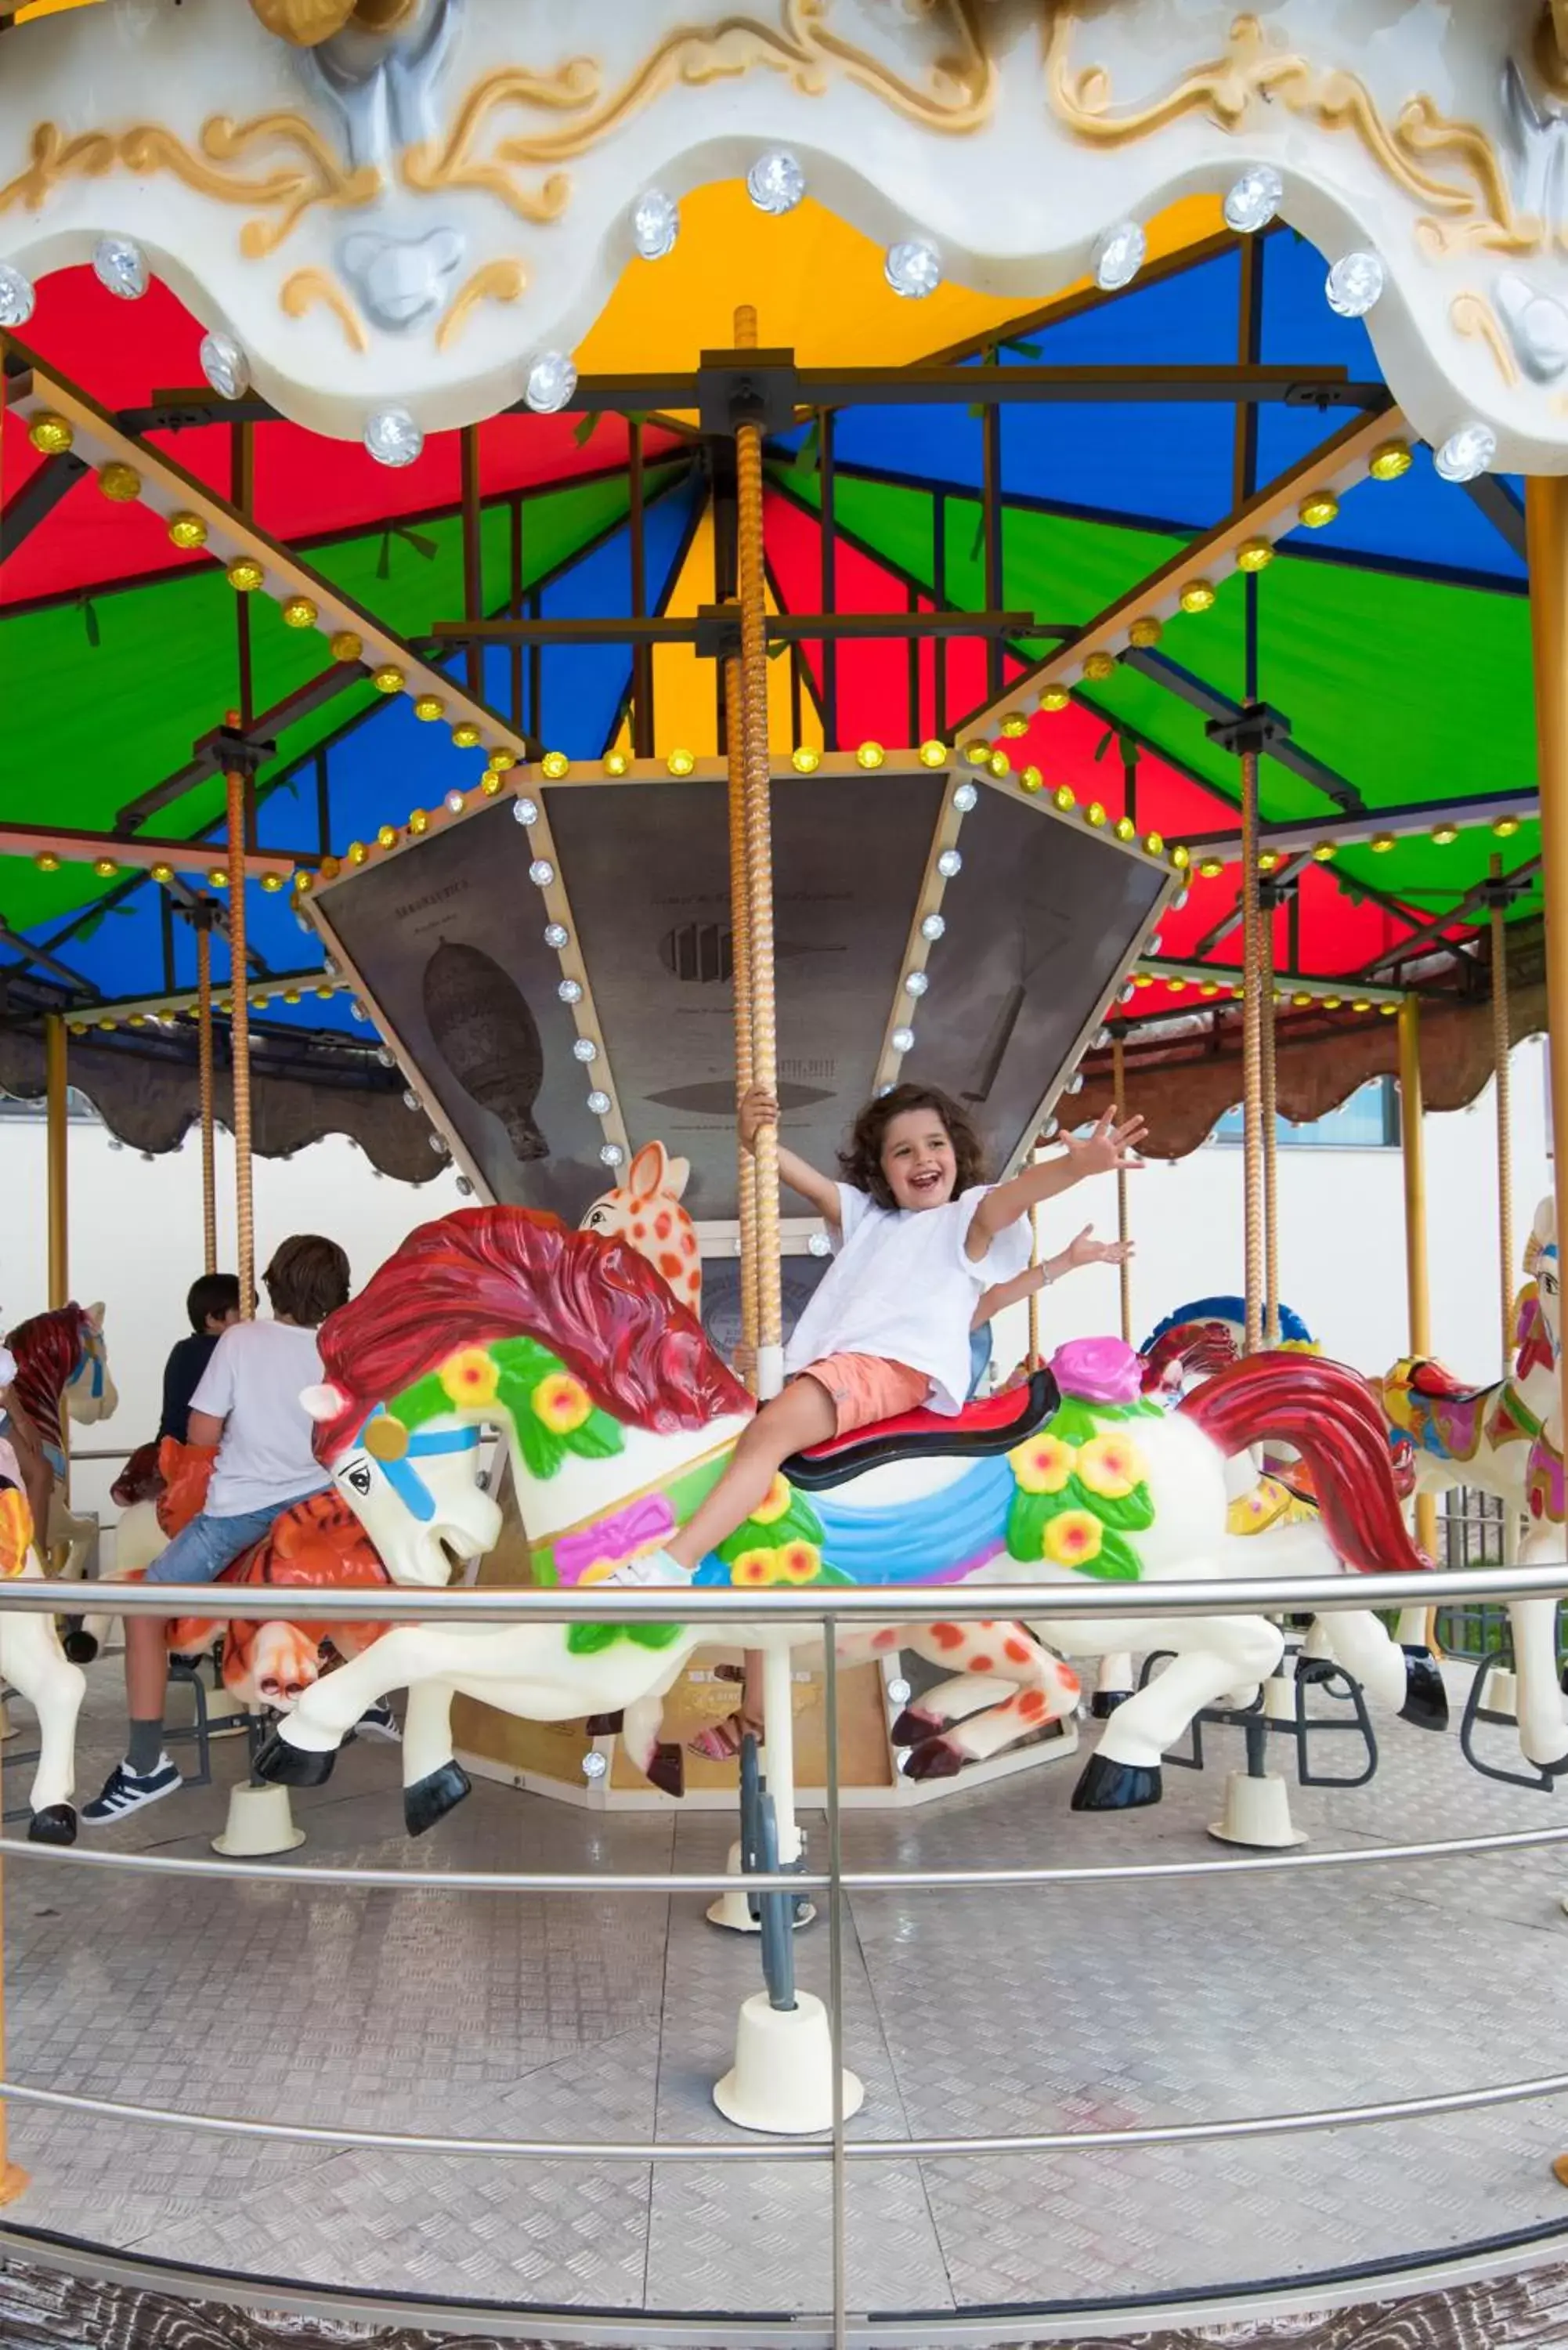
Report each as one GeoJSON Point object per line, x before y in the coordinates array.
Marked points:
{"type": "Point", "coordinates": [1105, 1149]}
{"type": "Point", "coordinates": [1084, 1250]}
{"type": "Point", "coordinates": [758, 1109]}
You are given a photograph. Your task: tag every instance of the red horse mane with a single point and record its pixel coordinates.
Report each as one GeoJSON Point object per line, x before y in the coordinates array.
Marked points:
{"type": "Point", "coordinates": [47, 1349]}
{"type": "Point", "coordinates": [481, 1273]}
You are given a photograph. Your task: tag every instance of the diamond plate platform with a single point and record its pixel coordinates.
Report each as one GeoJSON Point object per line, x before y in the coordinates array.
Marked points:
{"type": "Point", "coordinates": [966, 2012]}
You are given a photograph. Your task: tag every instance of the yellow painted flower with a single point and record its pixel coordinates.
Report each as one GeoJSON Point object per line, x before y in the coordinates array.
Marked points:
{"type": "Point", "coordinates": [798, 1562]}
{"type": "Point", "coordinates": [769, 1512]}
{"type": "Point", "coordinates": [753, 1569]}
{"type": "Point", "coordinates": [470, 1377]}
{"type": "Point", "coordinates": [1112, 1466]}
{"type": "Point", "coordinates": [1073, 1538]}
{"type": "Point", "coordinates": [1042, 1465]}
{"type": "Point", "coordinates": [562, 1402]}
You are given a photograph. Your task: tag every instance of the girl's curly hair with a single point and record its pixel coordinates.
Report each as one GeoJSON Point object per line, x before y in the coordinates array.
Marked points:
{"type": "Point", "coordinates": [861, 1164]}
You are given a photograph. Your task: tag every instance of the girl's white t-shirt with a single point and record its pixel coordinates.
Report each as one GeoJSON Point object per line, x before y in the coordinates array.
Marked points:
{"type": "Point", "coordinates": [901, 1288]}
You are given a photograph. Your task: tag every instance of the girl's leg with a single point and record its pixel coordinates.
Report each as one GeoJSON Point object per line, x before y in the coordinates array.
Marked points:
{"type": "Point", "coordinates": [802, 1416]}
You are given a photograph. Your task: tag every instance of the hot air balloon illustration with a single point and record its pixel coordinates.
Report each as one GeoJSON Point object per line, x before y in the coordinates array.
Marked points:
{"type": "Point", "coordinates": [484, 1032]}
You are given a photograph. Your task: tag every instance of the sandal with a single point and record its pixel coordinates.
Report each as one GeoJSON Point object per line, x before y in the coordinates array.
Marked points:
{"type": "Point", "coordinates": [721, 1742]}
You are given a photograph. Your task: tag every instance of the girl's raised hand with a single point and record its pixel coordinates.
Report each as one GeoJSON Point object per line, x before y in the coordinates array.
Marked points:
{"type": "Point", "coordinates": [757, 1110]}
{"type": "Point", "coordinates": [1086, 1250]}
{"type": "Point", "coordinates": [1107, 1146]}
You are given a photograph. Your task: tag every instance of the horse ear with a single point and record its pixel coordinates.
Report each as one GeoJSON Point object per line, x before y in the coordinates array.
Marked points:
{"type": "Point", "coordinates": [647, 1174]}
{"type": "Point", "coordinates": [94, 1316]}
{"type": "Point", "coordinates": [322, 1403]}
{"type": "Point", "coordinates": [676, 1175]}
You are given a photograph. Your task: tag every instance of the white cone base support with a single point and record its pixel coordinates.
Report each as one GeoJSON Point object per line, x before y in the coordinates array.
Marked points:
{"type": "Point", "coordinates": [1500, 1693]}
{"type": "Point", "coordinates": [732, 1910]}
{"type": "Point", "coordinates": [260, 1821]}
{"type": "Point", "coordinates": [782, 2080]}
{"type": "Point", "coordinates": [1257, 1813]}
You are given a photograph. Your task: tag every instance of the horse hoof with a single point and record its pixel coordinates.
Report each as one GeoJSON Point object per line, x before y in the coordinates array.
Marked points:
{"type": "Point", "coordinates": [604, 1725]}
{"type": "Point", "coordinates": [938, 1758]}
{"type": "Point", "coordinates": [666, 1769]}
{"type": "Point", "coordinates": [429, 1799]}
{"type": "Point", "coordinates": [55, 1824]}
{"type": "Point", "coordinates": [1103, 1703]}
{"type": "Point", "coordinates": [81, 1647]}
{"type": "Point", "coordinates": [1107, 1787]}
{"type": "Point", "coordinates": [1425, 1699]}
{"type": "Point", "coordinates": [284, 1766]}
{"type": "Point", "coordinates": [913, 1727]}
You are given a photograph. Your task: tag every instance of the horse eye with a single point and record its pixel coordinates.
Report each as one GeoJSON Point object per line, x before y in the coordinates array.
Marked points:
{"type": "Point", "coordinates": [359, 1479]}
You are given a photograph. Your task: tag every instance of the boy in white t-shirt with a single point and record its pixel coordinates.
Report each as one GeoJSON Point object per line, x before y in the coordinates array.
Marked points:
{"type": "Point", "coordinates": [247, 1405]}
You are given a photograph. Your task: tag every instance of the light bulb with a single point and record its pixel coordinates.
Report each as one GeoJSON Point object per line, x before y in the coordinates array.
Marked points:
{"type": "Point", "coordinates": [776, 183]}
{"type": "Point", "coordinates": [611, 1153]}
{"type": "Point", "coordinates": [552, 380]}
{"type": "Point", "coordinates": [541, 873]}
{"type": "Point", "coordinates": [898, 1690]}
{"type": "Point", "coordinates": [1354, 283]}
{"type": "Point", "coordinates": [556, 935]}
{"type": "Point", "coordinates": [594, 1764]}
{"type": "Point", "coordinates": [916, 983]}
{"type": "Point", "coordinates": [16, 297]}
{"type": "Point", "coordinates": [819, 1245]}
{"type": "Point", "coordinates": [913, 269]}
{"type": "Point", "coordinates": [932, 927]}
{"type": "Point", "coordinates": [122, 265]}
{"type": "Point", "coordinates": [902, 1040]}
{"type": "Point", "coordinates": [655, 225]}
{"type": "Point", "coordinates": [1119, 255]}
{"type": "Point", "coordinates": [965, 797]}
{"type": "Point", "coordinates": [949, 863]}
{"type": "Point", "coordinates": [525, 811]}
{"type": "Point", "coordinates": [225, 365]}
{"type": "Point", "coordinates": [598, 1104]}
{"type": "Point", "coordinates": [392, 437]}
{"type": "Point", "coordinates": [1252, 201]}
{"type": "Point", "coordinates": [1466, 453]}
{"type": "Point", "coordinates": [570, 991]}
{"type": "Point", "coordinates": [584, 1049]}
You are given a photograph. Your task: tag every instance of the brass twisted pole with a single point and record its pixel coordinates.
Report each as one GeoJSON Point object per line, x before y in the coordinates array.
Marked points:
{"type": "Point", "coordinates": [204, 1090]}
{"type": "Point", "coordinates": [741, 957]}
{"type": "Point", "coordinates": [753, 721]}
{"type": "Point", "coordinates": [1501, 1069]}
{"type": "Point", "coordinates": [13, 2181]}
{"type": "Point", "coordinates": [239, 1044]}
{"type": "Point", "coordinates": [1269, 1108]}
{"type": "Point", "coordinates": [1119, 1093]}
{"type": "Point", "coordinates": [1252, 1055]}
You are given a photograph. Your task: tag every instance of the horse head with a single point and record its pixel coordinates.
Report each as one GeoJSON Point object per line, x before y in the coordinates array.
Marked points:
{"type": "Point", "coordinates": [1538, 1312]}
{"type": "Point", "coordinates": [646, 1212]}
{"type": "Point", "coordinates": [569, 1343]}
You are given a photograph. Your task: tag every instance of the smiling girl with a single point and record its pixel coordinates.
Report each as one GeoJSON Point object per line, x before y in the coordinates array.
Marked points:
{"type": "Point", "coordinates": [918, 1237]}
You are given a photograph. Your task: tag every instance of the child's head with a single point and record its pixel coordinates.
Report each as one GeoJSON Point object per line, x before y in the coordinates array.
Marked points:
{"type": "Point", "coordinates": [913, 1147]}
{"type": "Point", "coordinates": [213, 1302]}
{"type": "Point", "coordinates": [308, 1280]}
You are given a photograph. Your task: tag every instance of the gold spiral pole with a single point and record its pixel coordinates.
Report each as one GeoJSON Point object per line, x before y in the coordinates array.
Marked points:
{"type": "Point", "coordinates": [1034, 1293]}
{"type": "Point", "coordinates": [240, 1043]}
{"type": "Point", "coordinates": [1269, 1105]}
{"type": "Point", "coordinates": [1120, 1094]}
{"type": "Point", "coordinates": [13, 2181]}
{"type": "Point", "coordinates": [753, 722]}
{"type": "Point", "coordinates": [204, 1091]}
{"type": "Point", "coordinates": [1501, 1070]}
{"type": "Point", "coordinates": [1252, 984]}
{"type": "Point", "coordinates": [739, 923]}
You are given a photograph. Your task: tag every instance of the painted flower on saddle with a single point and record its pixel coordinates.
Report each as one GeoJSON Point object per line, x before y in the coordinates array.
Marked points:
{"type": "Point", "coordinates": [754, 1569]}
{"type": "Point", "coordinates": [562, 1402]}
{"type": "Point", "coordinates": [1111, 1466]}
{"type": "Point", "coordinates": [470, 1378]}
{"type": "Point", "coordinates": [1073, 1538]}
{"type": "Point", "coordinates": [798, 1562]}
{"type": "Point", "coordinates": [1098, 1370]}
{"type": "Point", "coordinates": [774, 1505]}
{"type": "Point", "coordinates": [1042, 1465]}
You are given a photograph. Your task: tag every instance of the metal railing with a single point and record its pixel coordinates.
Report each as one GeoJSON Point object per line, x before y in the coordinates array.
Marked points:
{"type": "Point", "coordinates": [721, 1607]}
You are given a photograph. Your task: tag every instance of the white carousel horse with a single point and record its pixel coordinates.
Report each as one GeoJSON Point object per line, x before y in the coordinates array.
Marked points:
{"type": "Point", "coordinates": [62, 1362]}
{"type": "Point", "coordinates": [34, 1663]}
{"type": "Point", "coordinates": [619, 1417]}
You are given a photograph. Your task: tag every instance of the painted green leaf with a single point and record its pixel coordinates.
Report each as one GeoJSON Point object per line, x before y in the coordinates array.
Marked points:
{"type": "Point", "coordinates": [1127, 1513]}
{"type": "Point", "coordinates": [588, 1639]}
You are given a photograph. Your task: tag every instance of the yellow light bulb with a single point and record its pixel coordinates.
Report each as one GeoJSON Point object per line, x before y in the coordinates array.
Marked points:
{"type": "Point", "coordinates": [978, 754]}
{"type": "Point", "coordinates": [1381, 842]}
{"type": "Point", "coordinates": [1209, 988]}
{"type": "Point", "coordinates": [217, 879]}
{"type": "Point", "coordinates": [554, 765]}
{"type": "Point", "coordinates": [1099, 666]}
{"type": "Point", "coordinates": [300, 612]}
{"type": "Point", "coordinates": [388, 835]}
{"type": "Point", "coordinates": [1254, 555]}
{"type": "Point", "coordinates": [347, 646]}
{"type": "Point", "coordinates": [1505, 827]}
{"type": "Point", "coordinates": [1445, 834]}
{"type": "Point", "coordinates": [491, 786]}
{"type": "Point", "coordinates": [330, 868]}
{"type": "Point", "coordinates": [1267, 861]}
{"type": "Point", "coordinates": [805, 760]}
{"type": "Point", "coordinates": [1326, 851]}
{"type": "Point", "coordinates": [1015, 723]}
{"type": "Point", "coordinates": [1146, 631]}
{"type": "Point", "coordinates": [50, 434]}
{"type": "Point", "coordinates": [47, 861]}
{"type": "Point", "coordinates": [999, 765]}
{"type": "Point", "coordinates": [1361, 1004]}
{"type": "Point", "coordinates": [870, 754]}
{"type": "Point", "coordinates": [245, 575]}
{"type": "Point", "coordinates": [1332, 1002]}
{"type": "Point", "coordinates": [933, 754]}
{"type": "Point", "coordinates": [1154, 844]}
{"type": "Point", "coordinates": [616, 762]}
{"type": "Point", "coordinates": [1301, 1001]}
{"type": "Point", "coordinates": [1198, 595]}
{"type": "Point", "coordinates": [1031, 780]}
{"type": "Point", "coordinates": [1181, 857]}
{"type": "Point", "coordinates": [678, 763]}
{"type": "Point", "coordinates": [418, 822]}
{"type": "Point", "coordinates": [1094, 812]}
{"type": "Point", "coordinates": [187, 530]}
{"type": "Point", "coordinates": [1055, 697]}
{"type": "Point", "coordinates": [1389, 461]}
{"type": "Point", "coordinates": [1125, 828]}
{"type": "Point", "coordinates": [388, 679]}
{"type": "Point", "coordinates": [291, 995]}
{"type": "Point", "coordinates": [303, 883]}
{"type": "Point", "coordinates": [1388, 1010]}
{"type": "Point", "coordinates": [503, 759]}
{"type": "Point", "coordinates": [466, 736]}
{"type": "Point", "coordinates": [1065, 798]}
{"type": "Point", "coordinates": [1319, 508]}
{"type": "Point", "coordinates": [429, 707]}
{"type": "Point", "coordinates": [272, 883]}
{"type": "Point", "coordinates": [1210, 868]}
{"type": "Point", "coordinates": [357, 852]}
{"type": "Point", "coordinates": [104, 868]}
{"type": "Point", "coordinates": [119, 483]}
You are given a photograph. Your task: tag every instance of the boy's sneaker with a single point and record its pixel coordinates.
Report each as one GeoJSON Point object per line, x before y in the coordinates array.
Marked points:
{"type": "Point", "coordinates": [125, 1791]}
{"type": "Point", "coordinates": [379, 1721]}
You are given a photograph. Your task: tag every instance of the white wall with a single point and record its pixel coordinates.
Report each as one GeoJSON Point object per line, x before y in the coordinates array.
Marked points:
{"type": "Point", "coordinates": [136, 1240]}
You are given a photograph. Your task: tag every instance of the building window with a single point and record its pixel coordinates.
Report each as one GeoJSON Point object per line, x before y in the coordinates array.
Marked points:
{"type": "Point", "coordinates": [1369, 1121]}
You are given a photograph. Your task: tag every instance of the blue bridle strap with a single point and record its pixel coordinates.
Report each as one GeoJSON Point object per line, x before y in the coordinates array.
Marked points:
{"type": "Point", "coordinates": [402, 1476]}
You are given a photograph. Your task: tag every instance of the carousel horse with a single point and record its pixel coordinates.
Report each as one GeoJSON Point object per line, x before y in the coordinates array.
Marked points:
{"type": "Point", "coordinates": [62, 1361]}
{"type": "Point", "coordinates": [619, 1417]}
{"type": "Point", "coordinates": [967, 1717]}
{"type": "Point", "coordinates": [33, 1662]}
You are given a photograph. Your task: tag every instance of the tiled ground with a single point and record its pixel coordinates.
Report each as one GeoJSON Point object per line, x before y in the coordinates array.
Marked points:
{"type": "Point", "coordinates": [1069, 2006]}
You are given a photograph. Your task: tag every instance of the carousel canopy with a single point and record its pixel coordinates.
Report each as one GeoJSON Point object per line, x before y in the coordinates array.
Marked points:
{"type": "Point", "coordinates": [1116, 439]}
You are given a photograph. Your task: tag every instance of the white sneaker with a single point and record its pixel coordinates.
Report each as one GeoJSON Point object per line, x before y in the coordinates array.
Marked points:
{"type": "Point", "coordinates": [651, 1567]}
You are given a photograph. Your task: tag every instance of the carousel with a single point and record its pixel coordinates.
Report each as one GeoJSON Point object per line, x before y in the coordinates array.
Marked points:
{"type": "Point", "coordinates": [620, 595]}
